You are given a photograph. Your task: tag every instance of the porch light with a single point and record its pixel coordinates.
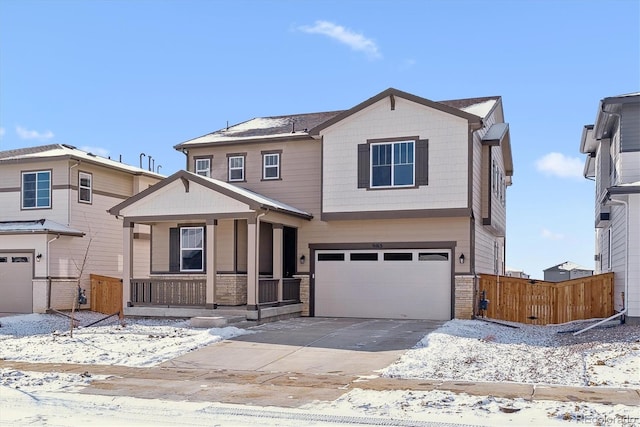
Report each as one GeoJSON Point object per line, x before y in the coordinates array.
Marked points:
{"type": "Point", "coordinates": [461, 259]}
{"type": "Point", "coordinates": [38, 257]}
{"type": "Point", "coordinates": [302, 259]}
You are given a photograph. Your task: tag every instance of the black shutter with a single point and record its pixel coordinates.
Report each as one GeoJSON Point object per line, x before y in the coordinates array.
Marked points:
{"type": "Point", "coordinates": [174, 250]}
{"type": "Point", "coordinates": [363, 165]}
{"type": "Point", "coordinates": [422, 162]}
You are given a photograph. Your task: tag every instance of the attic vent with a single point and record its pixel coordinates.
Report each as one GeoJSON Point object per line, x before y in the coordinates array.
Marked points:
{"type": "Point", "coordinates": [293, 127]}
{"type": "Point", "coordinates": [393, 102]}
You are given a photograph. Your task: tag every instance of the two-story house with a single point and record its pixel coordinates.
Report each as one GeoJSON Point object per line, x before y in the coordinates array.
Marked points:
{"type": "Point", "coordinates": [612, 146]}
{"type": "Point", "coordinates": [54, 226]}
{"type": "Point", "coordinates": [388, 209]}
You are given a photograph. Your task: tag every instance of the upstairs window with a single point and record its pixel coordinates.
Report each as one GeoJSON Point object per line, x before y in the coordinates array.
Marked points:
{"type": "Point", "coordinates": [392, 164]}
{"type": "Point", "coordinates": [203, 166]}
{"type": "Point", "coordinates": [236, 168]}
{"type": "Point", "coordinates": [85, 182]}
{"type": "Point", "coordinates": [270, 165]}
{"type": "Point", "coordinates": [36, 190]}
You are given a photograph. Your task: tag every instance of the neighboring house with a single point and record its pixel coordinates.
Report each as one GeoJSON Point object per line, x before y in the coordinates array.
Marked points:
{"type": "Point", "coordinates": [516, 273]}
{"type": "Point", "coordinates": [388, 210]}
{"type": "Point", "coordinates": [53, 216]}
{"type": "Point", "coordinates": [566, 271]}
{"type": "Point", "coordinates": [612, 146]}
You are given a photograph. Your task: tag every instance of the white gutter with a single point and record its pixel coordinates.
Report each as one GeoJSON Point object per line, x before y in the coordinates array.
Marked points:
{"type": "Point", "coordinates": [48, 276]}
{"type": "Point", "coordinates": [626, 267]}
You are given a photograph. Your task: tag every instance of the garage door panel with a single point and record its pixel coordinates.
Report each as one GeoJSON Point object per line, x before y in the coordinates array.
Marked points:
{"type": "Point", "coordinates": [16, 287]}
{"type": "Point", "coordinates": [400, 284]}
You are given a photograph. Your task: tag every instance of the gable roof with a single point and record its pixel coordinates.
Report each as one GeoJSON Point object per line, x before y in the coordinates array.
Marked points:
{"type": "Point", "coordinates": [568, 266]}
{"type": "Point", "coordinates": [60, 151]}
{"type": "Point", "coordinates": [40, 226]}
{"type": "Point", "coordinates": [446, 106]}
{"type": "Point", "coordinates": [254, 200]}
{"type": "Point", "coordinates": [304, 126]}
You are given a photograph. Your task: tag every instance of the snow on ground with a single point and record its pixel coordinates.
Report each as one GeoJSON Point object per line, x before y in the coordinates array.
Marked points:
{"type": "Point", "coordinates": [476, 350]}
{"type": "Point", "coordinates": [459, 350]}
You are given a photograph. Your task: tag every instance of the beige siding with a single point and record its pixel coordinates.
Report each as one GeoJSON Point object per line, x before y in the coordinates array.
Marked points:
{"type": "Point", "coordinates": [380, 231]}
{"type": "Point", "coordinates": [300, 171]}
{"type": "Point", "coordinates": [225, 246]}
{"type": "Point", "coordinates": [448, 158]}
{"type": "Point", "coordinates": [10, 192]}
{"type": "Point", "coordinates": [160, 247]}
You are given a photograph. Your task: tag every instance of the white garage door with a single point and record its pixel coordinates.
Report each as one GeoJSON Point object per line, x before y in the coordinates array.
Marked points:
{"type": "Point", "coordinates": [16, 273]}
{"type": "Point", "coordinates": [391, 284]}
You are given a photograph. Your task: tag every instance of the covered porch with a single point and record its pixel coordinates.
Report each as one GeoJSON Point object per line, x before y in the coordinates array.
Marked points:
{"type": "Point", "coordinates": [214, 247]}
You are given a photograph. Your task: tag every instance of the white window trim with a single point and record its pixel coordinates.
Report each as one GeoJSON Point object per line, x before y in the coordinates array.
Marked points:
{"type": "Point", "coordinates": [392, 143]}
{"type": "Point", "coordinates": [183, 248]}
{"type": "Point", "coordinates": [265, 166]}
{"type": "Point", "coordinates": [22, 189]}
{"type": "Point", "coordinates": [610, 245]}
{"type": "Point", "coordinates": [207, 170]}
{"type": "Point", "coordinates": [81, 187]}
{"type": "Point", "coordinates": [237, 168]}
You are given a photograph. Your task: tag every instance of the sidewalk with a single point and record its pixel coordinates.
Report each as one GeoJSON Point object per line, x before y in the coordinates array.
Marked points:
{"type": "Point", "coordinates": [289, 390]}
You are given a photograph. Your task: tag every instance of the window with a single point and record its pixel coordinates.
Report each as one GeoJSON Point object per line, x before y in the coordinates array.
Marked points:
{"type": "Point", "coordinates": [84, 187]}
{"type": "Point", "coordinates": [191, 249]}
{"type": "Point", "coordinates": [236, 168]}
{"type": "Point", "coordinates": [398, 256]}
{"type": "Point", "coordinates": [435, 256]}
{"type": "Point", "coordinates": [392, 164]}
{"type": "Point", "coordinates": [331, 257]}
{"type": "Point", "coordinates": [36, 190]}
{"type": "Point", "coordinates": [270, 165]}
{"type": "Point", "coordinates": [365, 256]}
{"type": "Point", "coordinates": [19, 259]}
{"type": "Point", "coordinates": [609, 249]}
{"type": "Point", "coordinates": [203, 166]}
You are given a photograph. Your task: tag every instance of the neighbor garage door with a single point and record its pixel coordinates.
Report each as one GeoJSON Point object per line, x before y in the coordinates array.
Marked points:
{"type": "Point", "coordinates": [16, 273]}
{"type": "Point", "coordinates": [391, 284]}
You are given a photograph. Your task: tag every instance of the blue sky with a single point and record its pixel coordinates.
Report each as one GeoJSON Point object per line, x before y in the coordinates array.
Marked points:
{"type": "Point", "coordinates": [125, 77]}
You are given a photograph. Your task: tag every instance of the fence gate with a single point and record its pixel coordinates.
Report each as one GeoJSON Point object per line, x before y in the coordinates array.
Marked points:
{"type": "Point", "coordinates": [540, 303]}
{"type": "Point", "coordinates": [106, 294]}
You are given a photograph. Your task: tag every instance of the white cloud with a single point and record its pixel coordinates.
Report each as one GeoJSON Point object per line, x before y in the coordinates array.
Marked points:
{"type": "Point", "coordinates": [547, 234]}
{"type": "Point", "coordinates": [345, 36]}
{"type": "Point", "coordinates": [33, 134]}
{"type": "Point", "coordinates": [560, 165]}
{"type": "Point", "coordinates": [103, 152]}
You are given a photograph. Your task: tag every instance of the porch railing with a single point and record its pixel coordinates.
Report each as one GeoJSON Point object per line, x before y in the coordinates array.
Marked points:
{"type": "Point", "coordinates": [268, 291]}
{"type": "Point", "coordinates": [169, 292]}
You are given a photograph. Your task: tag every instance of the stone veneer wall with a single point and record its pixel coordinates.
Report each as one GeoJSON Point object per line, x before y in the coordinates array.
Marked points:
{"type": "Point", "coordinates": [304, 292]}
{"type": "Point", "coordinates": [465, 290]}
{"type": "Point", "coordinates": [231, 289]}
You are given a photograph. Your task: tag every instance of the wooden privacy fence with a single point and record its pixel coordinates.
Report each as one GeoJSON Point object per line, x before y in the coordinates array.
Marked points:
{"type": "Point", "coordinates": [106, 294]}
{"type": "Point", "coordinates": [540, 303]}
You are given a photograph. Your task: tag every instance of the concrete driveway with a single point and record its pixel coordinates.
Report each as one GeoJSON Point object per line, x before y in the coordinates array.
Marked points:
{"type": "Point", "coordinates": [354, 347]}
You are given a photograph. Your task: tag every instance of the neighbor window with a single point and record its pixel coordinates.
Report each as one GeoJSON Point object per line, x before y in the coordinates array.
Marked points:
{"type": "Point", "coordinates": [270, 165]}
{"type": "Point", "coordinates": [191, 249]}
{"type": "Point", "coordinates": [85, 181]}
{"type": "Point", "coordinates": [203, 166]}
{"type": "Point", "coordinates": [36, 190]}
{"type": "Point", "coordinates": [236, 168]}
{"type": "Point", "coordinates": [392, 164]}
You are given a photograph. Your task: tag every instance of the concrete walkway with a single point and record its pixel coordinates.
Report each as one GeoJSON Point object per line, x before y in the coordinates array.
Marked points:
{"type": "Point", "coordinates": [298, 361]}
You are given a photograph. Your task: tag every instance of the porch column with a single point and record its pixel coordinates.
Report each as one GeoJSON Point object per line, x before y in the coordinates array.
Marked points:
{"type": "Point", "coordinates": [277, 256]}
{"type": "Point", "coordinates": [252, 261]}
{"type": "Point", "coordinates": [210, 252]}
{"type": "Point", "coordinates": [127, 261]}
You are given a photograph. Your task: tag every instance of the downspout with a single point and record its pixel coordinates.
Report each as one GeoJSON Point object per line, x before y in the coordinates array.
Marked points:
{"type": "Point", "coordinates": [48, 275]}
{"type": "Point", "coordinates": [69, 197]}
{"type": "Point", "coordinates": [257, 261]}
{"type": "Point", "coordinates": [625, 301]}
